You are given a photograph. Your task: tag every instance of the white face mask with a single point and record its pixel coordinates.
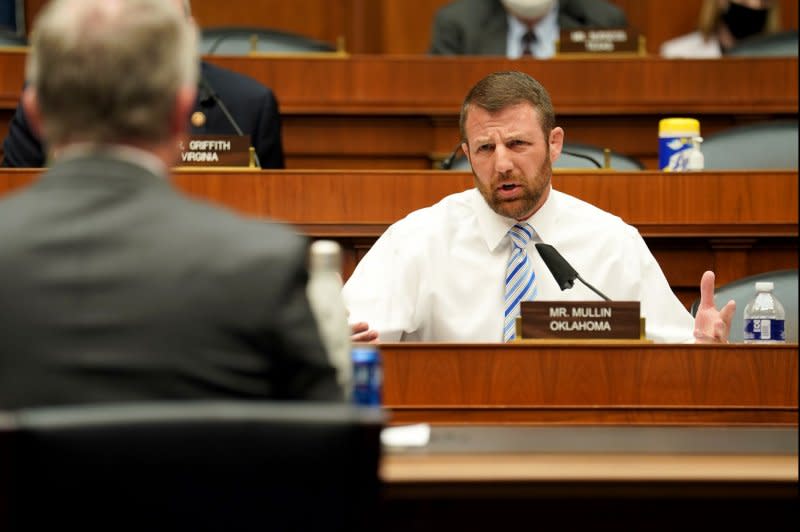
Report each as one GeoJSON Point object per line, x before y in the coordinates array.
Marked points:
{"type": "Point", "coordinates": [528, 9]}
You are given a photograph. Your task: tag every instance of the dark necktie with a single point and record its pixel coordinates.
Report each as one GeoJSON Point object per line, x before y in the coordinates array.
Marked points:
{"type": "Point", "coordinates": [527, 42]}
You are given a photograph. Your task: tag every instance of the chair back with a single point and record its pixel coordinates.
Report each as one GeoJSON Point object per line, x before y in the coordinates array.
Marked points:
{"type": "Point", "coordinates": [576, 155]}
{"type": "Point", "coordinates": [190, 466]}
{"type": "Point", "coordinates": [764, 145]}
{"type": "Point", "coordinates": [8, 39]}
{"type": "Point", "coordinates": [781, 44]}
{"type": "Point", "coordinates": [743, 290]}
{"type": "Point", "coordinates": [573, 156]}
{"type": "Point", "coordinates": [236, 40]}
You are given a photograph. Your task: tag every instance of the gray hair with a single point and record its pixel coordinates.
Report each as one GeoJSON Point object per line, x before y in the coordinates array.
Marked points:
{"type": "Point", "coordinates": [108, 71]}
{"type": "Point", "coordinates": [504, 89]}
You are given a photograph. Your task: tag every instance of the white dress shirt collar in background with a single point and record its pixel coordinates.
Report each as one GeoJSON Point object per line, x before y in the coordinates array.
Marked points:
{"type": "Point", "coordinates": [546, 30]}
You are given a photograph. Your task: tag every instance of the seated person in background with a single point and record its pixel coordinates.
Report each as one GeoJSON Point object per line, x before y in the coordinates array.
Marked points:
{"type": "Point", "coordinates": [723, 23]}
{"type": "Point", "coordinates": [449, 272]}
{"type": "Point", "coordinates": [252, 105]}
{"type": "Point", "coordinates": [514, 28]}
{"type": "Point", "coordinates": [113, 286]}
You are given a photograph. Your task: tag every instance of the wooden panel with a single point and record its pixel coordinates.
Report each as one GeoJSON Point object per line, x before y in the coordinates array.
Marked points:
{"type": "Point", "coordinates": [398, 85]}
{"type": "Point", "coordinates": [12, 76]}
{"type": "Point", "coordinates": [404, 26]}
{"type": "Point", "coordinates": [391, 119]}
{"type": "Point", "coordinates": [320, 19]}
{"type": "Point", "coordinates": [691, 222]}
{"type": "Point", "coordinates": [715, 204]}
{"type": "Point", "coordinates": [590, 383]}
{"type": "Point", "coordinates": [437, 85]}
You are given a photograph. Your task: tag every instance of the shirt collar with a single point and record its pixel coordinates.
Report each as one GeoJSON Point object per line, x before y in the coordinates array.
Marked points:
{"type": "Point", "coordinates": [129, 154]}
{"type": "Point", "coordinates": [494, 227]}
{"type": "Point", "coordinates": [546, 31]}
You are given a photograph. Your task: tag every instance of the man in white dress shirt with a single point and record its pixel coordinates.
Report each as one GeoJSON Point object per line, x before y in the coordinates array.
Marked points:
{"type": "Point", "coordinates": [439, 273]}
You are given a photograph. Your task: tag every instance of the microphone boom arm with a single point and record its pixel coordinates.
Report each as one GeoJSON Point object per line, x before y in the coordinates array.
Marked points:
{"type": "Point", "coordinates": [224, 109]}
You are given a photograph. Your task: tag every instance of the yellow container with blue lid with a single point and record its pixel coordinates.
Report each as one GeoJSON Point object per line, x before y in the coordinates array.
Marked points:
{"type": "Point", "coordinates": [674, 142]}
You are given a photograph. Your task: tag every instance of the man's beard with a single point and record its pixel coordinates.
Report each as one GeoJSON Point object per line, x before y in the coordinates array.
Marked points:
{"type": "Point", "coordinates": [532, 191]}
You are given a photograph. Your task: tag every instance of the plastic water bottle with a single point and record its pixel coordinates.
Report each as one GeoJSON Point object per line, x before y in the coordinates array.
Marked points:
{"type": "Point", "coordinates": [764, 317]}
{"type": "Point", "coordinates": [324, 292]}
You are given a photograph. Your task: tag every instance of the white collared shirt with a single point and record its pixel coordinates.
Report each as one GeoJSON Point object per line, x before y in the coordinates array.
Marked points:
{"type": "Point", "coordinates": [692, 46]}
{"type": "Point", "coordinates": [546, 30]}
{"type": "Point", "coordinates": [438, 274]}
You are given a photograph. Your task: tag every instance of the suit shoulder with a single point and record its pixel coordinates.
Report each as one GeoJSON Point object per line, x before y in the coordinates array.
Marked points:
{"type": "Point", "coordinates": [469, 11]}
{"type": "Point", "coordinates": [589, 13]}
{"type": "Point", "coordinates": [228, 81]}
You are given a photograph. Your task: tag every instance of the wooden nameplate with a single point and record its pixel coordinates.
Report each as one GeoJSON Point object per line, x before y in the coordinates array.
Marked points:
{"type": "Point", "coordinates": [216, 150]}
{"type": "Point", "coordinates": [600, 41]}
{"type": "Point", "coordinates": [581, 320]}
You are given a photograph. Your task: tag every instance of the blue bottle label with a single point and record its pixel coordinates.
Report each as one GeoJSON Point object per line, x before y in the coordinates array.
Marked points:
{"type": "Point", "coordinates": [673, 153]}
{"type": "Point", "coordinates": [764, 329]}
{"type": "Point", "coordinates": [367, 377]}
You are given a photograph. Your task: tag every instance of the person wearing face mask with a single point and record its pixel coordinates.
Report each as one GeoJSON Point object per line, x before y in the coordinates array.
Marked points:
{"type": "Point", "coordinates": [721, 25]}
{"type": "Point", "coordinates": [516, 28]}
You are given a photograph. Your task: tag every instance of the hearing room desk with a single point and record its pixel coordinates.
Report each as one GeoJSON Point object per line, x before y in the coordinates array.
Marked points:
{"type": "Point", "coordinates": [590, 383]}
{"type": "Point", "coordinates": [592, 478]}
{"type": "Point", "coordinates": [735, 222]}
{"type": "Point", "coordinates": [401, 111]}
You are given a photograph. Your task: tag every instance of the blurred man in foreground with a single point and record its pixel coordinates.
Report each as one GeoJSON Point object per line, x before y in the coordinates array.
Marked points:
{"type": "Point", "coordinates": [458, 270]}
{"type": "Point", "coordinates": [252, 106]}
{"type": "Point", "coordinates": [113, 286]}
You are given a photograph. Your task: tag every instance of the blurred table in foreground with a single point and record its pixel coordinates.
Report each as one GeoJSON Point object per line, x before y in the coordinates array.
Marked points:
{"type": "Point", "coordinates": [597, 478]}
{"type": "Point", "coordinates": [591, 383]}
{"type": "Point", "coordinates": [735, 222]}
{"type": "Point", "coordinates": [390, 111]}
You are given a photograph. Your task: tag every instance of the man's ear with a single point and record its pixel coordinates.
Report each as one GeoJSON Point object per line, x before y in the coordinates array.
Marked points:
{"type": "Point", "coordinates": [30, 104]}
{"type": "Point", "coordinates": [556, 143]}
{"type": "Point", "coordinates": [185, 99]}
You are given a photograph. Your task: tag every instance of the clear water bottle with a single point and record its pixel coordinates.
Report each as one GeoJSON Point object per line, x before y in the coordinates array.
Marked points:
{"type": "Point", "coordinates": [696, 160]}
{"type": "Point", "coordinates": [764, 317]}
{"type": "Point", "coordinates": [325, 297]}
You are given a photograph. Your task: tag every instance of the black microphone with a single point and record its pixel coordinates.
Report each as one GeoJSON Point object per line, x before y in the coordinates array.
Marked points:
{"type": "Point", "coordinates": [563, 272]}
{"type": "Point", "coordinates": [448, 162]}
{"type": "Point", "coordinates": [224, 108]}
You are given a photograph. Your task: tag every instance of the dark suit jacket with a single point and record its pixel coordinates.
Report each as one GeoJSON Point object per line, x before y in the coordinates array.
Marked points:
{"type": "Point", "coordinates": [480, 27]}
{"type": "Point", "coordinates": [251, 104]}
{"type": "Point", "coordinates": [115, 287]}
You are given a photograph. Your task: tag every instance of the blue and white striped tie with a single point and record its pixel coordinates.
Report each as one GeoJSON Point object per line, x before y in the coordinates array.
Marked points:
{"type": "Point", "coordinates": [520, 277]}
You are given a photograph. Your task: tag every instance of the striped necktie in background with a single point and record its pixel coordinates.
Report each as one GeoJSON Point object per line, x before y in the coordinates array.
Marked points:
{"type": "Point", "coordinates": [520, 277]}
